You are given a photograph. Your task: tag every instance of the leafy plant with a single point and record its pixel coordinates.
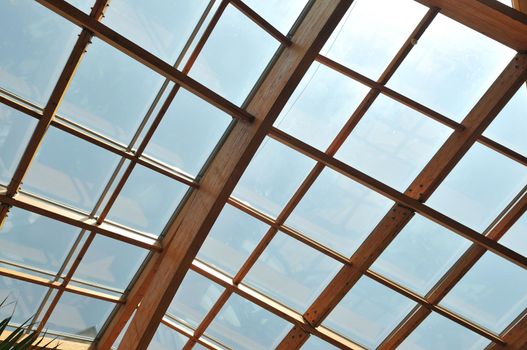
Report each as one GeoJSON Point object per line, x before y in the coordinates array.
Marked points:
{"type": "Point", "coordinates": [18, 340]}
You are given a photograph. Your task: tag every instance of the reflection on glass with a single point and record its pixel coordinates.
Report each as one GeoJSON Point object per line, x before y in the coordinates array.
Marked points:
{"type": "Point", "coordinates": [234, 57]}
{"type": "Point", "coordinates": [69, 170]}
{"type": "Point", "coordinates": [291, 272]}
{"type": "Point", "coordinates": [35, 241]}
{"type": "Point", "coordinates": [314, 343]}
{"type": "Point", "coordinates": [420, 255]}
{"type": "Point", "coordinates": [167, 338]}
{"type": "Point", "coordinates": [393, 143]}
{"type": "Point", "coordinates": [272, 177]}
{"type": "Point", "coordinates": [281, 14]}
{"type": "Point", "coordinates": [338, 212]}
{"type": "Point", "coordinates": [479, 188]}
{"type": "Point", "coordinates": [147, 201]}
{"type": "Point", "coordinates": [35, 44]}
{"type": "Point", "coordinates": [23, 299]}
{"type": "Point", "coordinates": [15, 130]}
{"type": "Point", "coordinates": [161, 27]}
{"type": "Point", "coordinates": [79, 315]}
{"type": "Point", "coordinates": [450, 68]}
{"type": "Point", "coordinates": [110, 93]}
{"type": "Point", "coordinates": [243, 325]}
{"type": "Point", "coordinates": [515, 236]}
{"type": "Point", "coordinates": [368, 313]}
{"type": "Point", "coordinates": [371, 33]}
{"type": "Point", "coordinates": [510, 125]}
{"type": "Point", "coordinates": [188, 133]}
{"type": "Point", "coordinates": [439, 333]}
{"type": "Point", "coordinates": [194, 298]}
{"type": "Point", "coordinates": [231, 240]}
{"type": "Point", "coordinates": [493, 293]}
{"type": "Point", "coordinates": [110, 263]}
{"type": "Point", "coordinates": [321, 104]}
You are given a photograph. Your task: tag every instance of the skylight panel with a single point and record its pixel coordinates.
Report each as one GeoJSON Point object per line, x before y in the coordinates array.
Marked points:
{"type": "Point", "coordinates": [35, 46]}
{"type": "Point", "coordinates": [320, 106]}
{"type": "Point", "coordinates": [23, 299]}
{"type": "Point", "coordinates": [231, 240]}
{"type": "Point", "coordinates": [273, 176]}
{"type": "Point", "coordinates": [371, 33]}
{"type": "Point", "coordinates": [234, 56]}
{"type": "Point", "coordinates": [450, 68]}
{"type": "Point", "coordinates": [69, 170]}
{"type": "Point", "coordinates": [515, 236]}
{"type": "Point", "coordinates": [243, 325]}
{"type": "Point", "coordinates": [492, 294]}
{"type": "Point", "coordinates": [482, 184]}
{"type": "Point", "coordinates": [14, 136]}
{"type": "Point", "coordinates": [84, 5]}
{"type": "Point", "coordinates": [188, 133]}
{"type": "Point", "coordinates": [110, 93]}
{"type": "Point", "coordinates": [338, 212]}
{"type": "Point", "coordinates": [437, 333]}
{"type": "Point", "coordinates": [314, 343]}
{"type": "Point", "coordinates": [393, 143]}
{"type": "Point", "coordinates": [159, 26]}
{"type": "Point", "coordinates": [420, 255]}
{"type": "Point", "coordinates": [167, 338]}
{"type": "Point", "coordinates": [291, 272]}
{"type": "Point", "coordinates": [368, 313]}
{"type": "Point", "coordinates": [281, 14]}
{"type": "Point", "coordinates": [35, 241]}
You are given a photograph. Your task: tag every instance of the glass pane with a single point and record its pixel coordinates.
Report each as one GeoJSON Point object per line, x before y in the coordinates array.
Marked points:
{"type": "Point", "coordinates": [338, 212]}
{"type": "Point", "coordinates": [194, 298]}
{"type": "Point", "coordinates": [110, 93]}
{"type": "Point", "coordinates": [167, 338]}
{"type": "Point", "coordinates": [515, 236]}
{"type": "Point", "coordinates": [79, 315]}
{"type": "Point", "coordinates": [15, 130]}
{"type": "Point", "coordinates": [23, 299]}
{"type": "Point", "coordinates": [272, 177]}
{"type": "Point", "coordinates": [393, 143]}
{"type": "Point", "coordinates": [450, 68]}
{"type": "Point", "coordinates": [510, 125]}
{"type": "Point", "coordinates": [231, 240]}
{"type": "Point", "coordinates": [291, 272]}
{"type": "Point", "coordinates": [35, 46]}
{"type": "Point", "coordinates": [188, 133]}
{"type": "Point", "coordinates": [69, 170]}
{"type": "Point", "coordinates": [371, 33]}
{"type": "Point", "coordinates": [314, 343]}
{"type": "Point", "coordinates": [147, 201]}
{"type": "Point", "coordinates": [320, 106]}
{"type": "Point", "coordinates": [110, 263]}
{"type": "Point", "coordinates": [234, 57]}
{"type": "Point", "coordinates": [479, 188]}
{"type": "Point", "coordinates": [161, 27]}
{"type": "Point", "coordinates": [243, 325]}
{"type": "Point", "coordinates": [420, 255]}
{"type": "Point", "coordinates": [439, 333]}
{"type": "Point", "coordinates": [281, 14]}
{"type": "Point", "coordinates": [35, 241]}
{"type": "Point", "coordinates": [84, 5]}
{"type": "Point", "coordinates": [493, 293]}
{"type": "Point", "coordinates": [368, 313]}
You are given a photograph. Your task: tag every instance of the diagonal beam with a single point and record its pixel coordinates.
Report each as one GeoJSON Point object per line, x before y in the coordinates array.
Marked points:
{"type": "Point", "coordinates": [489, 17]}
{"type": "Point", "coordinates": [427, 181]}
{"type": "Point", "coordinates": [136, 52]}
{"type": "Point", "coordinates": [189, 229]}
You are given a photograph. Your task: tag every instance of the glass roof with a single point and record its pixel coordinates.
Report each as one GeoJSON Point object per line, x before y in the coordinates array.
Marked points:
{"type": "Point", "coordinates": [88, 195]}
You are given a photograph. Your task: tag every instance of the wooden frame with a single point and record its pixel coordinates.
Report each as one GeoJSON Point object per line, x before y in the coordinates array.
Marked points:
{"type": "Point", "coordinates": [174, 255]}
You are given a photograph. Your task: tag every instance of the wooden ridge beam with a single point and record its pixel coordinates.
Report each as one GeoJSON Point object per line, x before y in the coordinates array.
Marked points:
{"type": "Point", "coordinates": [489, 17]}
{"type": "Point", "coordinates": [420, 190]}
{"type": "Point", "coordinates": [189, 229]}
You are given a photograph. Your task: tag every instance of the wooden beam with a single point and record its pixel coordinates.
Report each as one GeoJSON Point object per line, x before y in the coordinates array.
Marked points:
{"type": "Point", "coordinates": [189, 229]}
{"type": "Point", "coordinates": [489, 17]}
{"type": "Point", "coordinates": [420, 190]}
{"type": "Point", "coordinates": [136, 52]}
